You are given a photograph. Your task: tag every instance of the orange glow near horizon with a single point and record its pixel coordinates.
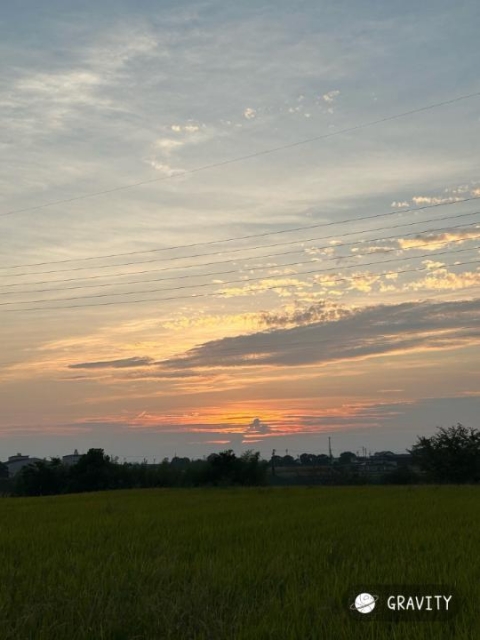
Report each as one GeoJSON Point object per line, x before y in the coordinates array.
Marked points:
{"type": "Point", "coordinates": [293, 418]}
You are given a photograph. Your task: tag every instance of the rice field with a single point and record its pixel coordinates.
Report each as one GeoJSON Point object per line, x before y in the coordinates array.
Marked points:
{"type": "Point", "coordinates": [233, 564]}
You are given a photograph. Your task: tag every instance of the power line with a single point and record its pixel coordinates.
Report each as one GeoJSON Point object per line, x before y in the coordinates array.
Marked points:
{"type": "Point", "coordinates": [233, 239]}
{"type": "Point", "coordinates": [206, 295]}
{"type": "Point", "coordinates": [238, 250]}
{"type": "Point", "coordinates": [268, 255]}
{"type": "Point", "coordinates": [249, 156]}
{"type": "Point", "coordinates": [272, 277]}
{"type": "Point", "coordinates": [290, 264]}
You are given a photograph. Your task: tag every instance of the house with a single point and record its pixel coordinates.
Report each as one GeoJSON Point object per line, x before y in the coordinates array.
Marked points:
{"type": "Point", "coordinates": [17, 462]}
{"type": "Point", "coordinates": [71, 458]}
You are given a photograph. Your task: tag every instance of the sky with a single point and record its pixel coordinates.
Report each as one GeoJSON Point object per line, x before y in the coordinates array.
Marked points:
{"type": "Point", "coordinates": [216, 233]}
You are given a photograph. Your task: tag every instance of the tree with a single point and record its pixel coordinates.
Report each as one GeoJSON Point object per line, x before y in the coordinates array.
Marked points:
{"type": "Point", "coordinates": [226, 469]}
{"type": "Point", "coordinates": [253, 471]}
{"type": "Point", "coordinates": [3, 470]}
{"type": "Point", "coordinates": [347, 457]}
{"type": "Point", "coordinates": [41, 478]}
{"type": "Point", "coordinates": [181, 463]}
{"type": "Point", "coordinates": [93, 472]}
{"type": "Point", "coordinates": [222, 467]}
{"type": "Point", "coordinates": [287, 461]}
{"type": "Point", "coordinates": [451, 455]}
{"type": "Point", "coordinates": [308, 459]}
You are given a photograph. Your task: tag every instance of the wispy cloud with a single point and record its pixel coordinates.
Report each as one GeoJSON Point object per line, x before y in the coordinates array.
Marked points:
{"type": "Point", "coordinates": [330, 96]}
{"type": "Point", "coordinates": [122, 363]}
{"type": "Point", "coordinates": [434, 241]}
{"type": "Point", "coordinates": [445, 279]}
{"type": "Point", "coordinates": [372, 331]}
{"type": "Point", "coordinates": [321, 311]}
{"type": "Point", "coordinates": [43, 100]}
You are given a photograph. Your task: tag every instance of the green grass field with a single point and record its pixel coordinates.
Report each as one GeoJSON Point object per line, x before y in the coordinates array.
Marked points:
{"type": "Point", "coordinates": [233, 564]}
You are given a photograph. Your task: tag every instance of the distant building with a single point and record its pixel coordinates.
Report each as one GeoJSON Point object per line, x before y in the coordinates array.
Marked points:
{"type": "Point", "coordinates": [404, 460]}
{"type": "Point", "coordinates": [389, 458]}
{"type": "Point", "coordinates": [17, 462]}
{"type": "Point", "coordinates": [71, 458]}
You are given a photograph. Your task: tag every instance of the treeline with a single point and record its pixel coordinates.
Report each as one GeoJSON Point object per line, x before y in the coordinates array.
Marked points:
{"type": "Point", "coordinates": [96, 471]}
{"type": "Point", "coordinates": [452, 455]}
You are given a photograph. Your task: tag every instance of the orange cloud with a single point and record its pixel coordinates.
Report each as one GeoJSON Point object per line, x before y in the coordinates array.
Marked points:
{"type": "Point", "coordinates": [443, 279]}
{"type": "Point", "coordinates": [432, 242]}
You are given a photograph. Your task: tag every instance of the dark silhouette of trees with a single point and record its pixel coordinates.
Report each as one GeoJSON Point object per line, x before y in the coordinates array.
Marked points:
{"type": "Point", "coordinates": [346, 457]}
{"type": "Point", "coordinates": [93, 472]}
{"type": "Point", "coordinates": [401, 475]}
{"type": "Point", "coordinates": [222, 468]}
{"type": "Point", "coordinates": [181, 463]}
{"type": "Point", "coordinates": [253, 471]}
{"type": "Point", "coordinates": [226, 469]}
{"type": "Point", "coordinates": [96, 471]}
{"type": "Point", "coordinates": [276, 461]}
{"type": "Point", "coordinates": [308, 459]}
{"type": "Point", "coordinates": [42, 478]}
{"type": "Point", "coordinates": [451, 455]}
{"type": "Point", "coordinates": [3, 470]}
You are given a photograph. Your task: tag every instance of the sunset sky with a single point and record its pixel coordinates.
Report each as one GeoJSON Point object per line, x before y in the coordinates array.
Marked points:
{"type": "Point", "coordinates": [178, 275]}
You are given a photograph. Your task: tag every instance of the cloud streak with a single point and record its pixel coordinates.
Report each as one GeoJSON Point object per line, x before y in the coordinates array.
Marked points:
{"type": "Point", "coordinates": [371, 331]}
{"type": "Point", "coordinates": [122, 363]}
{"type": "Point", "coordinates": [434, 241]}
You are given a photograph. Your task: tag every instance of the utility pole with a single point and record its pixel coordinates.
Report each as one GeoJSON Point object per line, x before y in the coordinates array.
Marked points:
{"type": "Point", "coordinates": [273, 462]}
{"type": "Point", "coordinates": [330, 448]}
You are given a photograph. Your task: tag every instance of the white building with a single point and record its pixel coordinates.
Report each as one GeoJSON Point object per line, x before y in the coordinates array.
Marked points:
{"type": "Point", "coordinates": [71, 458]}
{"type": "Point", "coordinates": [17, 462]}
